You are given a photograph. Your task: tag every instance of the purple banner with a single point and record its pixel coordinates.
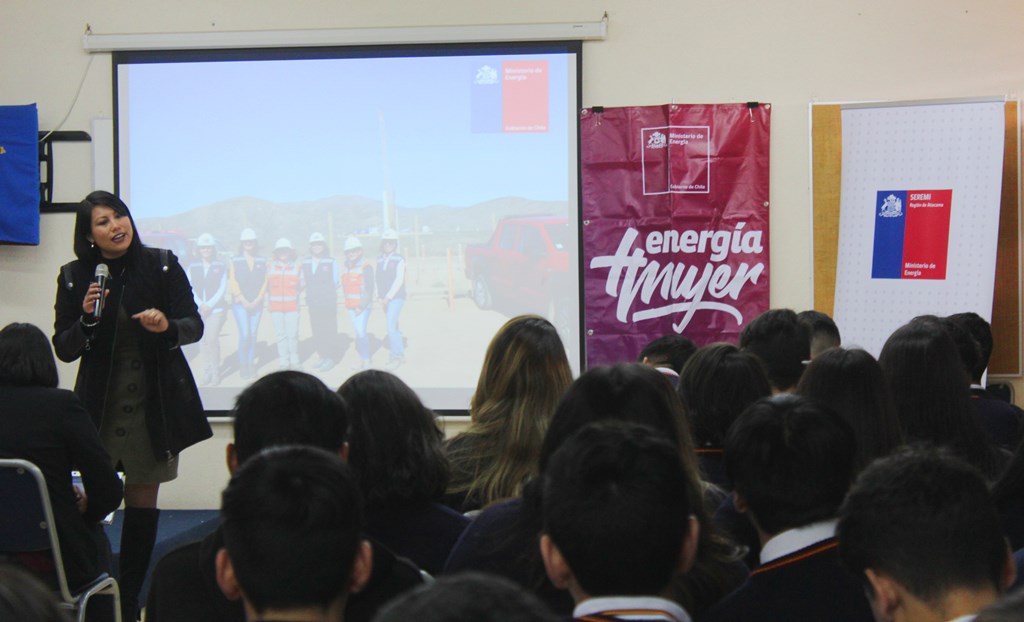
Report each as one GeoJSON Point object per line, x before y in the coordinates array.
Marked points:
{"type": "Point", "coordinates": [675, 224]}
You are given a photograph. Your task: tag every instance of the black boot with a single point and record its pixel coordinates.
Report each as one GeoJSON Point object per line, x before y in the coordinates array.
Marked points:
{"type": "Point", "coordinates": [138, 535]}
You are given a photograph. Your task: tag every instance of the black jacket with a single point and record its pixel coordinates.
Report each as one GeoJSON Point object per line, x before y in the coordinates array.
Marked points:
{"type": "Point", "coordinates": [153, 278]}
{"type": "Point", "coordinates": [50, 429]}
{"type": "Point", "coordinates": [184, 585]}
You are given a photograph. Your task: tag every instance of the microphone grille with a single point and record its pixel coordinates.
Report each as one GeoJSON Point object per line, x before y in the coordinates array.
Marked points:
{"type": "Point", "coordinates": [102, 270]}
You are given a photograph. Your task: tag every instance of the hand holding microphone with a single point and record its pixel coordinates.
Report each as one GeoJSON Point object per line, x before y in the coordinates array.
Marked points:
{"type": "Point", "coordinates": [96, 296]}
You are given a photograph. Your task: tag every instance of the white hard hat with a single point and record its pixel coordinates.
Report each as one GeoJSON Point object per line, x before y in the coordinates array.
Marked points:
{"type": "Point", "coordinates": [283, 243]}
{"type": "Point", "coordinates": [389, 234]}
{"type": "Point", "coordinates": [205, 240]}
{"type": "Point", "coordinates": [317, 237]}
{"type": "Point", "coordinates": [247, 235]}
{"type": "Point", "coordinates": [352, 243]}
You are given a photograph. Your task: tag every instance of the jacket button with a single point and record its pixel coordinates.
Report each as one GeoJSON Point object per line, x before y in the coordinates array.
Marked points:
{"type": "Point", "coordinates": [132, 388]}
{"type": "Point", "coordinates": [136, 364]}
{"type": "Point", "coordinates": [127, 409]}
{"type": "Point", "coordinates": [120, 432]}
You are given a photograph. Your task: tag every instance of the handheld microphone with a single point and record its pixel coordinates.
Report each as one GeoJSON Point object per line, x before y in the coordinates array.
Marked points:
{"type": "Point", "coordinates": [102, 274]}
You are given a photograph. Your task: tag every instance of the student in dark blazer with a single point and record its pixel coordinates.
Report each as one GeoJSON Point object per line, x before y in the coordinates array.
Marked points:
{"type": "Point", "coordinates": [282, 408]}
{"type": "Point", "coordinates": [618, 524]}
{"type": "Point", "coordinates": [921, 532]}
{"type": "Point", "coordinates": [791, 461]}
{"type": "Point", "coordinates": [50, 428]}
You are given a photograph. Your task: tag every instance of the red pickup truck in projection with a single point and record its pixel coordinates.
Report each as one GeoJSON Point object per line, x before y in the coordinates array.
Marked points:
{"type": "Point", "coordinates": [524, 267]}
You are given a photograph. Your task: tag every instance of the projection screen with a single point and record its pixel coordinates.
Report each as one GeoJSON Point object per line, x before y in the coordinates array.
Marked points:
{"type": "Point", "coordinates": [442, 181]}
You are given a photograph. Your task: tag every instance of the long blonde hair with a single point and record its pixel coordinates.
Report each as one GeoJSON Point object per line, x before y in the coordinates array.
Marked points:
{"type": "Point", "coordinates": [524, 375]}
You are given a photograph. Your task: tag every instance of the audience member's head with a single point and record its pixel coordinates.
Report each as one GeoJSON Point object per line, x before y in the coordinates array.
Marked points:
{"type": "Point", "coordinates": [791, 461]}
{"type": "Point", "coordinates": [782, 342]}
{"type": "Point", "coordinates": [852, 384]}
{"type": "Point", "coordinates": [640, 394]}
{"type": "Point", "coordinates": [966, 345]}
{"type": "Point", "coordinates": [623, 392]}
{"type": "Point", "coordinates": [921, 529]}
{"type": "Point", "coordinates": [288, 408]}
{"type": "Point", "coordinates": [928, 383]}
{"type": "Point", "coordinates": [291, 520]}
{"type": "Point", "coordinates": [395, 442]}
{"type": "Point", "coordinates": [525, 363]}
{"type": "Point", "coordinates": [981, 330]}
{"type": "Point", "coordinates": [717, 384]}
{"type": "Point", "coordinates": [26, 359]}
{"type": "Point", "coordinates": [467, 597]}
{"type": "Point", "coordinates": [823, 329]}
{"type": "Point", "coordinates": [617, 515]}
{"type": "Point", "coordinates": [24, 598]}
{"type": "Point", "coordinates": [524, 374]}
{"type": "Point", "coordinates": [671, 351]}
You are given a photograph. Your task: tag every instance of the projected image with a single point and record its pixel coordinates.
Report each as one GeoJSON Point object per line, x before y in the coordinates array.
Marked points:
{"type": "Point", "coordinates": [340, 214]}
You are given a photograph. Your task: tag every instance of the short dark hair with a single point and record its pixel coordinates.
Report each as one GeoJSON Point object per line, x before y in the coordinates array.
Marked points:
{"type": "Point", "coordinates": [627, 391]}
{"type": "Point", "coordinates": [782, 341]}
{"type": "Point", "coordinates": [981, 330]}
{"type": "Point", "coordinates": [716, 385]}
{"type": "Point", "coordinates": [791, 459]}
{"type": "Point", "coordinates": [84, 249]}
{"type": "Point", "coordinates": [395, 442]}
{"type": "Point", "coordinates": [671, 350]}
{"type": "Point", "coordinates": [823, 330]}
{"type": "Point", "coordinates": [291, 519]}
{"type": "Point", "coordinates": [926, 519]}
{"type": "Point", "coordinates": [467, 597]}
{"type": "Point", "coordinates": [26, 357]}
{"type": "Point", "coordinates": [616, 503]}
{"type": "Point", "coordinates": [639, 394]}
{"type": "Point", "coordinates": [289, 408]}
{"type": "Point", "coordinates": [851, 383]}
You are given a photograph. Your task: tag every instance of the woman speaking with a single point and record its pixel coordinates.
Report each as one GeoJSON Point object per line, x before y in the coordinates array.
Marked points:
{"type": "Point", "coordinates": [132, 378]}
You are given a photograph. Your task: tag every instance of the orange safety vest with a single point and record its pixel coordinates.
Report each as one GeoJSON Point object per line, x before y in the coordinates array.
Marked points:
{"type": "Point", "coordinates": [352, 285]}
{"type": "Point", "coordinates": [283, 286]}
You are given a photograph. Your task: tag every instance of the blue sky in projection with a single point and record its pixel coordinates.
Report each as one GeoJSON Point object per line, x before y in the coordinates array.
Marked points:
{"type": "Point", "coordinates": [304, 130]}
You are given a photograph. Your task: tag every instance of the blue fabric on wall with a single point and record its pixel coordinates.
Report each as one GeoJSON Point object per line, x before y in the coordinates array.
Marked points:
{"type": "Point", "coordinates": [19, 174]}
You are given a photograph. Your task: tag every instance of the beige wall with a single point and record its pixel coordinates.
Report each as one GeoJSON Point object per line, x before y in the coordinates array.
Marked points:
{"type": "Point", "coordinates": [788, 53]}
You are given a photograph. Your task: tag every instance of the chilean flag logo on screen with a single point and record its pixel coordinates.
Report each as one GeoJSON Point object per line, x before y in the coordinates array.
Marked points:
{"type": "Point", "coordinates": [510, 97]}
{"type": "Point", "coordinates": [911, 234]}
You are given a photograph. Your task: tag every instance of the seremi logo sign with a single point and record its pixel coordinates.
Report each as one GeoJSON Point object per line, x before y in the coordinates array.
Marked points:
{"type": "Point", "coordinates": [911, 234]}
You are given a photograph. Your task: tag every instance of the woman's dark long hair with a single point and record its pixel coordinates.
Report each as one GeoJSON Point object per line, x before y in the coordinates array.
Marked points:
{"type": "Point", "coordinates": [716, 386]}
{"type": "Point", "coordinates": [395, 447]}
{"type": "Point", "coordinates": [26, 357]}
{"type": "Point", "coordinates": [86, 250]}
{"type": "Point", "coordinates": [930, 388]}
{"type": "Point", "coordinates": [852, 384]}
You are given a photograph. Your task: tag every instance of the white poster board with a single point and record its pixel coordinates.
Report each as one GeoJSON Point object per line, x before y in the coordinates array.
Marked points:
{"type": "Point", "coordinates": [919, 214]}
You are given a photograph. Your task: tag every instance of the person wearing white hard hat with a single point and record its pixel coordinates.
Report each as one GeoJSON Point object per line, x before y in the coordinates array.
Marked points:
{"type": "Point", "coordinates": [391, 291]}
{"type": "Point", "coordinates": [284, 281]}
{"type": "Point", "coordinates": [247, 282]}
{"type": "Point", "coordinates": [209, 278]}
{"type": "Point", "coordinates": [322, 276]}
{"type": "Point", "coordinates": [357, 286]}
